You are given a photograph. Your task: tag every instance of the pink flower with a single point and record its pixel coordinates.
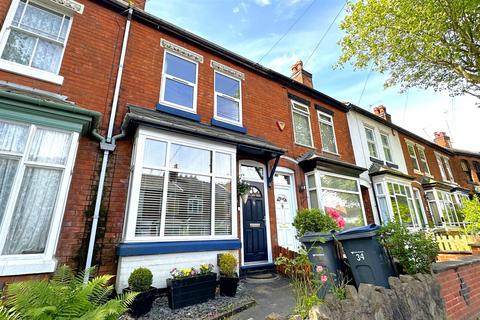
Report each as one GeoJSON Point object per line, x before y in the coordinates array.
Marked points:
{"type": "Point", "coordinates": [319, 269]}
{"type": "Point", "coordinates": [340, 222]}
{"type": "Point", "coordinates": [332, 212]}
{"type": "Point", "coordinates": [323, 278]}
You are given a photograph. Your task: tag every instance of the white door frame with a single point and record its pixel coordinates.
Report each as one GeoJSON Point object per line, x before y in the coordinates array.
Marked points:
{"type": "Point", "coordinates": [267, 212]}
{"type": "Point", "coordinates": [291, 173]}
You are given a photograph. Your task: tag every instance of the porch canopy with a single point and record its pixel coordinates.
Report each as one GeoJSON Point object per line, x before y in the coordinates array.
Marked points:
{"type": "Point", "coordinates": [311, 160]}
{"type": "Point", "coordinates": [380, 170]}
{"type": "Point", "coordinates": [246, 144]}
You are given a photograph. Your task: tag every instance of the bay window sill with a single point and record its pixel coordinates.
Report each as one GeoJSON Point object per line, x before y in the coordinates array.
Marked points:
{"type": "Point", "coordinates": [30, 72]}
{"type": "Point", "coordinates": [148, 248]}
{"type": "Point", "coordinates": [15, 267]}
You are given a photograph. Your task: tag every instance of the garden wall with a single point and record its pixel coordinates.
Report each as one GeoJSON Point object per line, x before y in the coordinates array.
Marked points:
{"type": "Point", "coordinates": [452, 292]}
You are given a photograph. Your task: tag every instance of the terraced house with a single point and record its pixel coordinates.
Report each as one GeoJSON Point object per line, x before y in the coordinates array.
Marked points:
{"type": "Point", "coordinates": [123, 137]}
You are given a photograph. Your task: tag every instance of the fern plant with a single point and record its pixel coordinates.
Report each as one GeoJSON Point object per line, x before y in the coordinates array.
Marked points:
{"type": "Point", "coordinates": [64, 296]}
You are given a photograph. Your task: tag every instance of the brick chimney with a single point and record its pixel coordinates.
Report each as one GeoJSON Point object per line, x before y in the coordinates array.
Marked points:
{"type": "Point", "coordinates": [381, 111]}
{"type": "Point", "coordinates": [300, 75]}
{"type": "Point", "coordinates": [442, 139]}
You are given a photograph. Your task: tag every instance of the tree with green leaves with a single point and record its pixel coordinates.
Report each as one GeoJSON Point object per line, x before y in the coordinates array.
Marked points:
{"type": "Point", "coordinates": [421, 43]}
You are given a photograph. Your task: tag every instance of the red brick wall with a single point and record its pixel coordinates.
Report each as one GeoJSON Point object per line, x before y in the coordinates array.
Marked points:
{"type": "Point", "coordinates": [450, 280]}
{"type": "Point", "coordinates": [460, 176]}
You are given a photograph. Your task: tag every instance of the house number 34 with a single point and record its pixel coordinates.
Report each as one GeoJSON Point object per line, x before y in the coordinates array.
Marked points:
{"type": "Point", "coordinates": [359, 255]}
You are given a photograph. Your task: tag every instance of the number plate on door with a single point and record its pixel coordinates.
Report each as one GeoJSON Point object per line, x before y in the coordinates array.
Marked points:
{"type": "Point", "coordinates": [254, 225]}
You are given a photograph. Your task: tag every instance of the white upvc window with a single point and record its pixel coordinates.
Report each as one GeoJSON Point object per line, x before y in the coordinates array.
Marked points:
{"type": "Point", "coordinates": [419, 204]}
{"type": "Point", "coordinates": [301, 124]}
{"type": "Point", "coordinates": [179, 82]}
{"type": "Point", "coordinates": [228, 98]}
{"type": "Point", "coordinates": [327, 132]}
{"type": "Point", "coordinates": [396, 202]}
{"type": "Point", "coordinates": [182, 188]}
{"type": "Point", "coordinates": [35, 170]}
{"type": "Point", "coordinates": [442, 207]}
{"type": "Point", "coordinates": [33, 39]}
{"type": "Point", "coordinates": [371, 142]}
{"type": "Point", "coordinates": [423, 159]}
{"type": "Point", "coordinates": [444, 166]}
{"type": "Point", "coordinates": [413, 157]}
{"type": "Point", "coordinates": [387, 150]}
{"type": "Point", "coordinates": [342, 193]}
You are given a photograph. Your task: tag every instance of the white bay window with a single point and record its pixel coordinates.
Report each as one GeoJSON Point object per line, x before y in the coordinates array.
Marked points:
{"type": "Point", "coordinates": [342, 193]}
{"type": "Point", "coordinates": [35, 169]}
{"type": "Point", "coordinates": [182, 189]}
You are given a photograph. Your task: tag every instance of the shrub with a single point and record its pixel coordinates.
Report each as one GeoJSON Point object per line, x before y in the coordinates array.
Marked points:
{"type": "Point", "coordinates": [471, 211]}
{"type": "Point", "coordinates": [228, 265]}
{"type": "Point", "coordinates": [415, 251]}
{"type": "Point", "coordinates": [65, 296]}
{"type": "Point", "coordinates": [313, 220]}
{"type": "Point", "coordinates": [140, 279]}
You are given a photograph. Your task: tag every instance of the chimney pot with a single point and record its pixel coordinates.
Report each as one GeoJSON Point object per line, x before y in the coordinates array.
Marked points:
{"type": "Point", "coordinates": [381, 111]}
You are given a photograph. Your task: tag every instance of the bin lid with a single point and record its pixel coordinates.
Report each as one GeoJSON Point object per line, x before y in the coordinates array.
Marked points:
{"type": "Point", "coordinates": [315, 236]}
{"type": "Point", "coordinates": [359, 232]}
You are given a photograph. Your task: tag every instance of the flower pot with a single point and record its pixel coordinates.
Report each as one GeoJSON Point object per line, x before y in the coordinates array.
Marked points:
{"type": "Point", "coordinates": [192, 290]}
{"type": "Point", "coordinates": [244, 197]}
{"type": "Point", "coordinates": [143, 301]}
{"type": "Point", "coordinates": [228, 286]}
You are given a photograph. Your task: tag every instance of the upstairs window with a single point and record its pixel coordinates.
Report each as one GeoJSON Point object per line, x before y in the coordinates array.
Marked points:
{"type": "Point", "coordinates": [179, 83]}
{"type": "Point", "coordinates": [444, 166]}
{"type": "Point", "coordinates": [34, 39]}
{"type": "Point", "coordinates": [301, 124]}
{"type": "Point", "coordinates": [476, 166]}
{"type": "Point", "coordinates": [386, 147]}
{"type": "Point", "coordinates": [413, 156]}
{"type": "Point", "coordinates": [466, 170]}
{"type": "Point", "coordinates": [372, 145]}
{"type": "Point", "coordinates": [327, 133]}
{"type": "Point", "coordinates": [423, 160]}
{"type": "Point", "coordinates": [228, 98]}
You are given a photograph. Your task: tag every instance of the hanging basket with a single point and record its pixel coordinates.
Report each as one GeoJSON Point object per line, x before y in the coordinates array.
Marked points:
{"type": "Point", "coordinates": [244, 197]}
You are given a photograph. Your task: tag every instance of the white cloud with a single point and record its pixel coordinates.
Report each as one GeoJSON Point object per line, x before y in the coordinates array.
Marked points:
{"type": "Point", "coordinates": [236, 10]}
{"type": "Point", "coordinates": [241, 6]}
{"type": "Point", "coordinates": [263, 3]}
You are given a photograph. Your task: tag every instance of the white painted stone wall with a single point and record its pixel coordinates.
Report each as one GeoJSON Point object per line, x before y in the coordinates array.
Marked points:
{"type": "Point", "coordinates": [356, 124]}
{"type": "Point", "coordinates": [162, 264]}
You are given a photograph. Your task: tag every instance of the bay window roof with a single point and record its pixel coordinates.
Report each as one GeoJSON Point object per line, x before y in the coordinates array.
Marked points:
{"type": "Point", "coordinates": [245, 143]}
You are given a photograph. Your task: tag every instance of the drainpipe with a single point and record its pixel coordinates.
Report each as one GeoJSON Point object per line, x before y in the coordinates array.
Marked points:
{"type": "Point", "coordinates": [107, 145]}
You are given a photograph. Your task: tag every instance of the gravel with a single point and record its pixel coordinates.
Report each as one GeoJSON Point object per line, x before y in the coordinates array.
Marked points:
{"type": "Point", "coordinates": [210, 310]}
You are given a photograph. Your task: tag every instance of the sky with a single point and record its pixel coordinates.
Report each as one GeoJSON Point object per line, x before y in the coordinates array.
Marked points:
{"type": "Point", "coordinates": [252, 27]}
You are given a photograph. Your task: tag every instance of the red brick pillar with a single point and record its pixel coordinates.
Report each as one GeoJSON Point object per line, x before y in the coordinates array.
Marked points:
{"type": "Point", "coordinates": [475, 248]}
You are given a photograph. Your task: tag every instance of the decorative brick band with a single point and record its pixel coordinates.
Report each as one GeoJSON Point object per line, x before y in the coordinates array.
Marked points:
{"type": "Point", "coordinates": [70, 4]}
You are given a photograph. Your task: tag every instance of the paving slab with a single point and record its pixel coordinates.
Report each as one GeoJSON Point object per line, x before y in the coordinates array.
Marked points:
{"type": "Point", "coordinates": [271, 295]}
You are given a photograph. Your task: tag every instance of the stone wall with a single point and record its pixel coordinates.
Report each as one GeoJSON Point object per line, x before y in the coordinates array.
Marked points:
{"type": "Point", "coordinates": [409, 297]}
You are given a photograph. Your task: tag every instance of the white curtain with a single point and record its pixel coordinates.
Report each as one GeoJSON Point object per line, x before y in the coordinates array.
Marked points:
{"type": "Point", "coordinates": [8, 167]}
{"type": "Point", "coordinates": [30, 224]}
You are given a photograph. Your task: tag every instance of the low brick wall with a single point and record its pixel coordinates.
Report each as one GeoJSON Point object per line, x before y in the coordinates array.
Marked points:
{"type": "Point", "coordinates": [460, 287]}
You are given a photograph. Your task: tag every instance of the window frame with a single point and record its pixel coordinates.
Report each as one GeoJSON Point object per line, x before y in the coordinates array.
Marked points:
{"type": "Point", "coordinates": [467, 171]}
{"type": "Point", "coordinates": [36, 262]}
{"type": "Point", "coordinates": [424, 161]}
{"type": "Point", "coordinates": [413, 157]}
{"type": "Point", "coordinates": [144, 133]}
{"type": "Point", "coordinates": [319, 189]}
{"type": "Point", "coordinates": [331, 124]}
{"type": "Point", "coordinates": [388, 147]}
{"type": "Point", "coordinates": [216, 94]}
{"type": "Point", "coordinates": [292, 107]}
{"type": "Point", "coordinates": [164, 77]}
{"type": "Point", "coordinates": [374, 141]}
{"type": "Point", "coordinates": [444, 167]}
{"type": "Point", "coordinates": [18, 68]}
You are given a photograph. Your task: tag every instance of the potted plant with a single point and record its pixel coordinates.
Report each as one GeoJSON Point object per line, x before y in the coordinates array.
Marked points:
{"type": "Point", "coordinates": [190, 286]}
{"type": "Point", "coordinates": [140, 281]}
{"type": "Point", "coordinates": [228, 274]}
{"type": "Point", "coordinates": [243, 189]}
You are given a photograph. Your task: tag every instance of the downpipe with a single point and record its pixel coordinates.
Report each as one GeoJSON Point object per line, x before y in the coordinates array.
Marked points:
{"type": "Point", "coordinates": [107, 145]}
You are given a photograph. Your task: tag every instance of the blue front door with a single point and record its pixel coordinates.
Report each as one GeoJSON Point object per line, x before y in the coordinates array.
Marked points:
{"type": "Point", "coordinates": [254, 225]}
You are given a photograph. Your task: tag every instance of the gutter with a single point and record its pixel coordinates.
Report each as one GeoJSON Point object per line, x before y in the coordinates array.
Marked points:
{"type": "Point", "coordinates": [107, 145]}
